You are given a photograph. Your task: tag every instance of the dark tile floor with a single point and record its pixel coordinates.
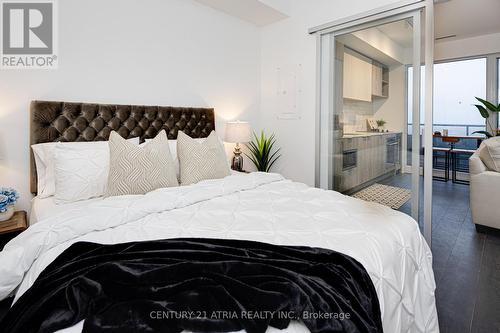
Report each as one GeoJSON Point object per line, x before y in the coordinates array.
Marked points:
{"type": "Point", "coordinates": [466, 263]}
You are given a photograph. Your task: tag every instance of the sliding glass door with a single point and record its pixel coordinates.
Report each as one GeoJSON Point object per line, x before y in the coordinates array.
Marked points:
{"type": "Point", "coordinates": [362, 121]}
{"type": "Point", "coordinates": [498, 84]}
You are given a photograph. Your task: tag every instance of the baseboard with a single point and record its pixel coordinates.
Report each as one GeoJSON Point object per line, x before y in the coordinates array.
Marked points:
{"type": "Point", "coordinates": [487, 230]}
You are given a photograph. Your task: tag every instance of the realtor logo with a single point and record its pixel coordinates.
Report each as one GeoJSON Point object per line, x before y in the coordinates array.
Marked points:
{"type": "Point", "coordinates": [28, 34]}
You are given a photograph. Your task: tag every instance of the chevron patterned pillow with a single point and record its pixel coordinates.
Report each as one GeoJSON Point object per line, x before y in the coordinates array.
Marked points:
{"type": "Point", "coordinates": [201, 160]}
{"type": "Point", "coordinates": [139, 169]}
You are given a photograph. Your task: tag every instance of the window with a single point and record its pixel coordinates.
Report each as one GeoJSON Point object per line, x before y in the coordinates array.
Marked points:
{"type": "Point", "coordinates": [456, 84]}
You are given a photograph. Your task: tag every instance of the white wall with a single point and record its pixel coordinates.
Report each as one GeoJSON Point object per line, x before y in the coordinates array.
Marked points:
{"type": "Point", "coordinates": [175, 52]}
{"type": "Point", "coordinates": [287, 43]}
{"type": "Point", "coordinates": [156, 52]}
{"type": "Point", "coordinates": [467, 47]}
{"type": "Point", "coordinates": [393, 108]}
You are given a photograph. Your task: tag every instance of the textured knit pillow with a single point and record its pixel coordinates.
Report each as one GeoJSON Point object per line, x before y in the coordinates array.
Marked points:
{"type": "Point", "coordinates": [201, 160]}
{"type": "Point", "coordinates": [490, 153]}
{"type": "Point", "coordinates": [139, 169]}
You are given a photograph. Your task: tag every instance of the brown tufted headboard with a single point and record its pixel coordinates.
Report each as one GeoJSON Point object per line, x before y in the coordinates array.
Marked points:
{"type": "Point", "coordinates": [69, 122]}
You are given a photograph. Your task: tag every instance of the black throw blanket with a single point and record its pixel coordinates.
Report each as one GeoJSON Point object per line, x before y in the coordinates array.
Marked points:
{"type": "Point", "coordinates": [201, 285]}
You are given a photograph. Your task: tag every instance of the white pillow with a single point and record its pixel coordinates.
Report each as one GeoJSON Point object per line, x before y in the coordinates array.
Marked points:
{"type": "Point", "coordinates": [80, 172]}
{"type": "Point", "coordinates": [489, 153]}
{"type": "Point", "coordinates": [44, 160]}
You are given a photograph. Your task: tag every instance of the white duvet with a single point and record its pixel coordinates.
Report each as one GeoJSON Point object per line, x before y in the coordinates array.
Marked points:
{"type": "Point", "coordinates": [258, 206]}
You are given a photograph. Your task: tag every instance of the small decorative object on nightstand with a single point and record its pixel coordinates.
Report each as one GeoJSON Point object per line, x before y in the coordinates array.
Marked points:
{"type": "Point", "coordinates": [12, 227]}
{"type": "Point", "coordinates": [8, 198]}
{"type": "Point", "coordinates": [238, 132]}
{"type": "Point", "coordinates": [262, 151]}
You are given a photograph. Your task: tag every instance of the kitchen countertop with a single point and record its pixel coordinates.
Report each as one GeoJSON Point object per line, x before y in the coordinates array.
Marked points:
{"type": "Point", "coordinates": [365, 134]}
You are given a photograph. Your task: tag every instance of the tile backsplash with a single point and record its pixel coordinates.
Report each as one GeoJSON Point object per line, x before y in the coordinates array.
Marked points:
{"type": "Point", "coordinates": [355, 115]}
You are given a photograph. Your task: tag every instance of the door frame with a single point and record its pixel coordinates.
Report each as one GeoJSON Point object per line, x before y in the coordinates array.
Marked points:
{"type": "Point", "coordinates": [325, 102]}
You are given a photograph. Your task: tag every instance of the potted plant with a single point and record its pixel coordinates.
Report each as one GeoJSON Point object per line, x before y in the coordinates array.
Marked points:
{"type": "Point", "coordinates": [8, 198]}
{"type": "Point", "coordinates": [380, 124]}
{"type": "Point", "coordinates": [262, 152]}
{"type": "Point", "coordinates": [485, 109]}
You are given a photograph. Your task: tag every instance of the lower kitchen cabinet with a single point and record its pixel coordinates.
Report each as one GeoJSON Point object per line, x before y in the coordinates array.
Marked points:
{"type": "Point", "coordinates": [362, 159]}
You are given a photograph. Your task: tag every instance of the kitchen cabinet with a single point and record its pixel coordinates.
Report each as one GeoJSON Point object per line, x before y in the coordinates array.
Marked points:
{"type": "Point", "coordinates": [364, 79]}
{"type": "Point", "coordinates": [380, 81]}
{"type": "Point", "coordinates": [357, 77]}
{"type": "Point", "coordinates": [375, 155]}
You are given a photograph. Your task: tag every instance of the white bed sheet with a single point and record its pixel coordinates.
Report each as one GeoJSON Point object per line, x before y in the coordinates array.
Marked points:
{"type": "Point", "coordinates": [44, 208]}
{"type": "Point", "coordinates": [260, 207]}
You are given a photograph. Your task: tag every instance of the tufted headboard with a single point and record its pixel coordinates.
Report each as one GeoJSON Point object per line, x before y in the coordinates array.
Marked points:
{"type": "Point", "coordinates": [70, 122]}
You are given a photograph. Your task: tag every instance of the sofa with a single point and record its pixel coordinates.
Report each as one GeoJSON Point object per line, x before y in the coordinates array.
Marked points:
{"type": "Point", "coordinates": [484, 168]}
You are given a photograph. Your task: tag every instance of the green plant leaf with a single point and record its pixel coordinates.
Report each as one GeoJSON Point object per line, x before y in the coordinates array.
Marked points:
{"type": "Point", "coordinates": [488, 135]}
{"type": "Point", "coordinates": [273, 161]}
{"type": "Point", "coordinates": [490, 106]}
{"type": "Point", "coordinates": [484, 113]}
{"type": "Point", "coordinates": [262, 152]}
{"type": "Point", "coordinates": [274, 157]}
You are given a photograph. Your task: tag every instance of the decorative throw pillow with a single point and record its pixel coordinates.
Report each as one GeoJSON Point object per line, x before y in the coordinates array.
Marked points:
{"type": "Point", "coordinates": [201, 160]}
{"type": "Point", "coordinates": [172, 145]}
{"type": "Point", "coordinates": [139, 169]}
{"type": "Point", "coordinates": [490, 153]}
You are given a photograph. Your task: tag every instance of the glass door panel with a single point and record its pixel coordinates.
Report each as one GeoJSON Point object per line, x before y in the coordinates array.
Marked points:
{"type": "Point", "coordinates": [369, 115]}
{"type": "Point", "coordinates": [363, 142]}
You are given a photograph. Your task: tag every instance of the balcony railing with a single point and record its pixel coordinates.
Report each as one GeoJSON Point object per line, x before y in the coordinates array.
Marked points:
{"type": "Point", "coordinates": [453, 129]}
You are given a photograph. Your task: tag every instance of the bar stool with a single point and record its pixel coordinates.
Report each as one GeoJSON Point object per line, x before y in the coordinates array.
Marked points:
{"type": "Point", "coordinates": [457, 156]}
{"type": "Point", "coordinates": [437, 154]}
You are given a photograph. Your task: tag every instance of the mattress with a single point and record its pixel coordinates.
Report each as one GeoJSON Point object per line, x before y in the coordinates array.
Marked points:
{"type": "Point", "coordinates": [260, 207]}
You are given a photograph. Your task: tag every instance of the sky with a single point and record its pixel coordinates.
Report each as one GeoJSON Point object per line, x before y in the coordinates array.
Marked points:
{"type": "Point", "coordinates": [455, 86]}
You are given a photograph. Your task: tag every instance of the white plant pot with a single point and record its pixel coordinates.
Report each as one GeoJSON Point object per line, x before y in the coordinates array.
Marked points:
{"type": "Point", "coordinates": [8, 214]}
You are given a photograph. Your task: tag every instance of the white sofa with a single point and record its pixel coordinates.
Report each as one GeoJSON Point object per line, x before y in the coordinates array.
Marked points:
{"type": "Point", "coordinates": [484, 193]}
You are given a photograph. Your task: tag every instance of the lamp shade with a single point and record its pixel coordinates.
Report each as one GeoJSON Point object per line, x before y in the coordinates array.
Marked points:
{"type": "Point", "coordinates": [238, 132]}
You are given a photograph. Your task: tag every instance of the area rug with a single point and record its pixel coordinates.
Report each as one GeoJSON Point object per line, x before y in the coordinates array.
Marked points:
{"type": "Point", "coordinates": [390, 196]}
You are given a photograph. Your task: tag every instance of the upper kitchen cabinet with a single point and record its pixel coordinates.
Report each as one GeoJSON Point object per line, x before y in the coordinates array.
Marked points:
{"type": "Point", "coordinates": [357, 77]}
{"type": "Point", "coordinates": [380, 81]}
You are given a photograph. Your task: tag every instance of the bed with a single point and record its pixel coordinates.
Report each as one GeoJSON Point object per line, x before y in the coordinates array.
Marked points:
{"type": "Point", "coordinates": [257, 206]}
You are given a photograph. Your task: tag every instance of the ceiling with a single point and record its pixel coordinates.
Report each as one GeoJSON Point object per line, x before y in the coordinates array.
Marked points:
{"type": "Point", "coordinates": [390, 44]}
{"type": "Point", "coordinates": [400, 32]}
{"type": "Point", "coordinates": [258, 12]}
{"type": "Point", "coordinates": [456, 18]}
{"type": "Point", "coordinates": [467, 18]}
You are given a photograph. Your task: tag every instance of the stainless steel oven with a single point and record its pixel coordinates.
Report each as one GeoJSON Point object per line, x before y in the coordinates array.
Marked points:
{"type": "Point", "coordinates": [349, 159]}
{"type": "Point", "coordinates": [392, 151]}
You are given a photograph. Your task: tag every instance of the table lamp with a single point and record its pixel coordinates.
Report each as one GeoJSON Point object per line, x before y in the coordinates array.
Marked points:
{"type": "Point", "coordinates": [238, 132]}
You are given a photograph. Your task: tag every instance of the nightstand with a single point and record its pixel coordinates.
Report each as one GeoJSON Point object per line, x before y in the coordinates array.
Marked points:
{"type": "Point", "coordinates": [13, 227]}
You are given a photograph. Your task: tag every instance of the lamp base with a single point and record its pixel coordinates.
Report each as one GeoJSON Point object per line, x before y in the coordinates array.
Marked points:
{"type": "Point", "coordinates": [237, 164]}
